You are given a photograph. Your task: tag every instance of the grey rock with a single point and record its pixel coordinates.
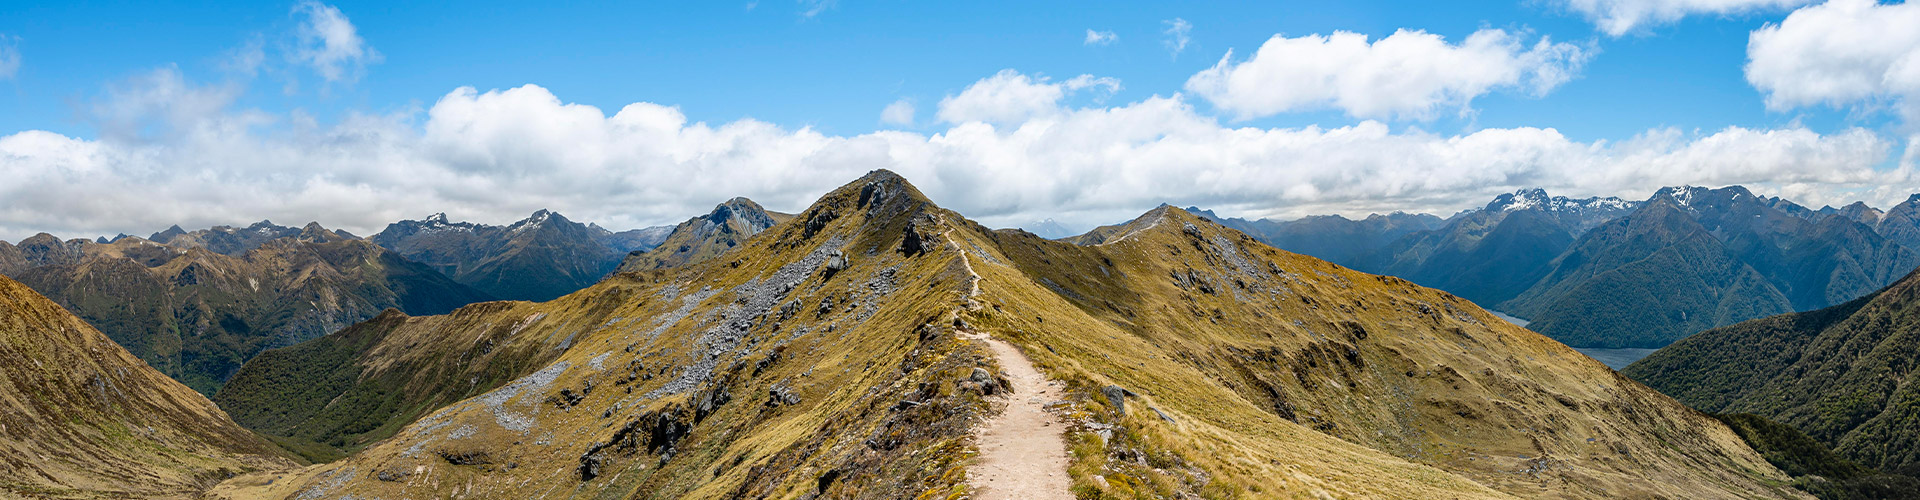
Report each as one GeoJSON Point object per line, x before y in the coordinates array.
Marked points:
{"type": "Point", "coordinates": [1118, 396]}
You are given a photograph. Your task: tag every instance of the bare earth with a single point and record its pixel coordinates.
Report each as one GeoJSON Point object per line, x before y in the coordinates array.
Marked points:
{"type": "Point", "coordinates": [1023, 454]}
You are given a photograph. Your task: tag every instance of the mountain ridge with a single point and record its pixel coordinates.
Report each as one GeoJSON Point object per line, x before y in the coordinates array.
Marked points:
{"type": "Point", "coordinates": [826, 357]}
{"type": "Point", "coordinates": [87, 419]}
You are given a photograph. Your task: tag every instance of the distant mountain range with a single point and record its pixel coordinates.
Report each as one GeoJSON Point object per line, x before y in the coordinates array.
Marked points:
{"type": "Point", "coordinates": [1697, 258]}
{"type": "Point", "coordinates": [1335, 238]}
{"type": "Point", "coordinates": [539, 258]}
{"type": "Point", "coordinates": [1605, 272]}
{"type": "Point", "coordinates": [1049, 229]}
{"type": "Point", "coordinates": [196, 314]}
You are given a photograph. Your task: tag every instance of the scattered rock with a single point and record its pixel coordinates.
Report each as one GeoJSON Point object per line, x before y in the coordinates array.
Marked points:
{"type": "Point", "coordinates": [1118, 396]}
{"type": "Point", "coordinates": [836, 262]}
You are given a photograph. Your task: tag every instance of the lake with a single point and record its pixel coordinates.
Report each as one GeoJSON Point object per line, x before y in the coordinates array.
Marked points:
{"type": "Point", "coordinates": [1613, 358]}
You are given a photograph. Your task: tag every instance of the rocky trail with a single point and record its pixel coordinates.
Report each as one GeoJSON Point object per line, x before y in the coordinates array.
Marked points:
{"type": "Point", "coordinates": [1023, 452]}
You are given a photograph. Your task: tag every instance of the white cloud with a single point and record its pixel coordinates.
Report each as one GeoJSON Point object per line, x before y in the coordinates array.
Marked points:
{"type": "Point", "coordinates": [1407, 74]}
{"type": "Point", "coordinates": [330, 44]}
{"type": "Point", "coordinates": [811, 8]}
{"type": "Point", "coordinates": [9, 56]}
{"type": "Point", "coordinates": [1619, 17]}
{"type": "Point", "coordinates": [247, 59]}
{"type": "Point", "coordinates": [1178, 33]}
{"type": "Point", "coordinates": [1101, 37]}
{"type": "Point", "coordinates": [1840, 53]}
{"type": "Point", "coordinates": [900, 113]}
{"type": "Point", "coordinates": [1010, 97]}
{"type": "Point", "coordinates": [495, 156]}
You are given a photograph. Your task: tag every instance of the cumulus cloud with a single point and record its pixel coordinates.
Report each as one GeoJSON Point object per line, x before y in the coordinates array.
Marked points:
{"type": "Point", "coordinates": [1178, 33]}
{"type": "Point", "coordinates": [1843, 52]}
{"type": "Point", "coordinates": [899, 113]}
{"type": "Point", "coordinates": [1010, 97]}
{"type": "Point", "coordinates": [9, 56]}
{"type": "Point", "coordinates": [1620, 17]}
{"type": "Point", "coordinates": [494, 156]}
{"type": "Point", "coordinates": [330, 44]}
{"type": "Point", "coordinates": [1407, 74]}
{"type": "Point", "coordinates": [1101, 37]}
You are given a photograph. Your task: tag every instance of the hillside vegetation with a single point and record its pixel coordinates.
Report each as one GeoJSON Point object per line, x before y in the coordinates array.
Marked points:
{"type": "Point", "coordinates": [86, 419]}
{"type": "Point", "coordinates": [828, 357]}
{"type": "Point", "coordinates": [197, 314]}
{"type": "Point", "coordinates": [1838, 374]}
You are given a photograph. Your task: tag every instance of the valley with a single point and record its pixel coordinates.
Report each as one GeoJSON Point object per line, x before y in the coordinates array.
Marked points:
{"type": "Point", "coordinates": [825, 250]}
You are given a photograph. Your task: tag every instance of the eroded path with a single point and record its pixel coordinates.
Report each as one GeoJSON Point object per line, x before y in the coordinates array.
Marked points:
{"type": "Point", "coordinates": [1023, 451]}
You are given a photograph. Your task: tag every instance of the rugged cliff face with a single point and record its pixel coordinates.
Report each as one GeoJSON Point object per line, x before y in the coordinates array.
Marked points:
{"type": "Point", "coordinates": [86, 419]}
{"type": "Point", "coordinates": [705, 237]}
{"type": "Point", "coordinates": [837, 355]}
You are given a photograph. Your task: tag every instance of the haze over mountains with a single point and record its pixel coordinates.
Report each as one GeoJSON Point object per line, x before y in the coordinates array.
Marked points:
{"type": "Point", "coordinates": [538, 258]}
{"type": "Point", "coordinates": [1604, 272]}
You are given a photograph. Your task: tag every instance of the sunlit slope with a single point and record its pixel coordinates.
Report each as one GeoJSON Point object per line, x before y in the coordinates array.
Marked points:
{"type": "Point", "coordinates": [86, 419]}
{"type": "Point", "coordinates": [822, 358]}
{"type": "Point", "coordinates": [1247, 348]}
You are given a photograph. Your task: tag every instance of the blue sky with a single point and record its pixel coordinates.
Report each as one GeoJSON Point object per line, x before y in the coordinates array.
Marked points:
{"type": "Point", "coordinates": [831, 68]}
{"type": "Point", "coordinates": [837, 69]}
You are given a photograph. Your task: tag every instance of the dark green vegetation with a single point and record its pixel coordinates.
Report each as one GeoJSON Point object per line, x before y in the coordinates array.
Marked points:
{"type": "Point", "coordinates": [539, 258]}
{"type": "Point", "coordinates": [336, 394]}
{"type": "Point", "coordinates": [83, 418]}
{"type": "Point", "coordinates": [1839, 374]}
{"type": "Point", "coordinates": [706, 236]}
{"type": "Point", "coordinates": [197, 315]}
{"type": "Point", "coordinates": [1814, 467]}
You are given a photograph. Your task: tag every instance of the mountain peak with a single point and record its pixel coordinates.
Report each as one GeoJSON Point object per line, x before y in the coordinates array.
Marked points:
{"type": "Point", "coordinates": [1198, 211]}
{"type": "Point", "coordinates": [437, 218]}
{"type": "Point", "coordinates": [167, 235]}
{"type": "Point", "coordinates": [1522, 199]}
{"type": "Point", "coordinates": [313, 232]}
